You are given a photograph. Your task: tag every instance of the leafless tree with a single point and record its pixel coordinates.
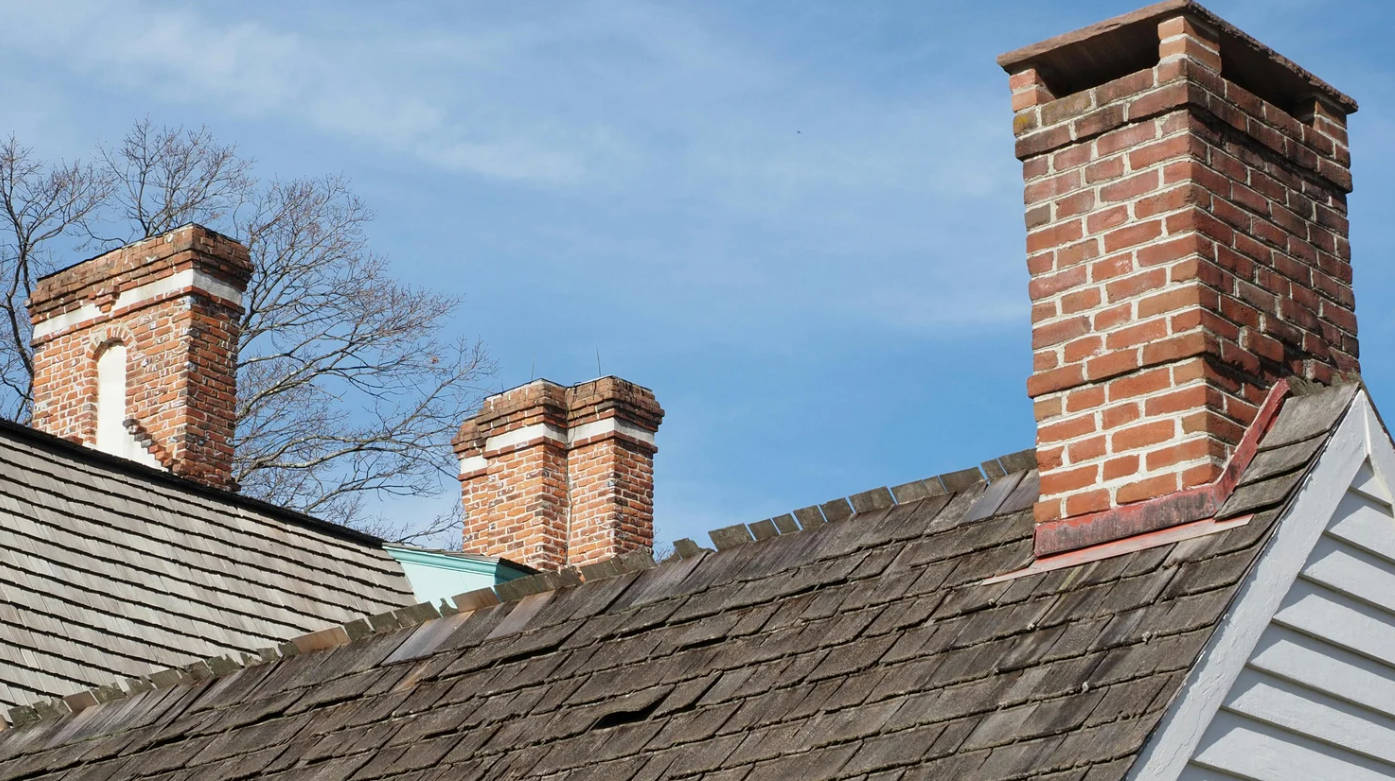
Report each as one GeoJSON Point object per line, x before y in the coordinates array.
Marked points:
{"type": "Point", "coordinates": [41, 203]}
{"type": "Point", "coordinates": [166, 177]}
{"type": "Point", "coordinates": [325, 324]}
{"type": "Point", "coordinates": [348, 386]}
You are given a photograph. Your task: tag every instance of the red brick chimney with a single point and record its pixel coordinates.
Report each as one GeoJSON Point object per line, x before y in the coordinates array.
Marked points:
{"type": "Point", "coordinates": [1187, 244]}
{"type": "Point", "coordinates": [135, 351]}
{"type": "Point", "coordinates": [555, 476]}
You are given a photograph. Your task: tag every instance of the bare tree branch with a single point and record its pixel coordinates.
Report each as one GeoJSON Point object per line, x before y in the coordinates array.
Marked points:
{"type": "Point", "coordinates": [348, 388]}
{"type": "Point", "coordinates": [40, 203]}
{"type": "Point", "coordinates": [166, 177]}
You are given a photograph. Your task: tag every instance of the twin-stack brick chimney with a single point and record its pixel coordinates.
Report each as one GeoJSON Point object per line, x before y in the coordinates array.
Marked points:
{"type": "Point", "coordinates": [1187, 245]}
{"type": "Point", "coordinates": [556, 476]}
{"type": "Point", "coordinates": [135, 351]}
{"type": "Point", "coordinates": [135, 354]}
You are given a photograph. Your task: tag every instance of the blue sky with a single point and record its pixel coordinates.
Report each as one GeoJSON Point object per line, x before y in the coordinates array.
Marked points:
{"type": "Point", "coordinates": [799, 222]}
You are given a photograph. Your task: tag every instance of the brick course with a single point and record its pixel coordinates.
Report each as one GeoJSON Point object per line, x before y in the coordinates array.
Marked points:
{"type": "Point", "coordinates": [181, 390]}
{"type": "Point", "coordinates": [1187, 244]}
{"type": "Point", "coordinates": [555, 476]}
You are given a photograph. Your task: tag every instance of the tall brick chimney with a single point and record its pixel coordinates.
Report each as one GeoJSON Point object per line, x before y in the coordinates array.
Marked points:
{"type": "Point", "coordinates": [1187, 244]}
{"type": "Point", "coordinates": [135, 351]}
{"type": "Point", "coordinates": [555, 476]}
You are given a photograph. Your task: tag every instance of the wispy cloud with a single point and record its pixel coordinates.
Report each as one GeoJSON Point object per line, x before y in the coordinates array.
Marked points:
{"type": "Point", "coordinates": [726, 170]}
{"type": "Point", "coordinates": [331, 83]}
{"type": "Point", "coordinates": [598, 91]}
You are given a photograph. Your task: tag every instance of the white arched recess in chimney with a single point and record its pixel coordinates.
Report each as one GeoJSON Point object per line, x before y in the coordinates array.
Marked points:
{"type": "Point", "coordinates": [112, 410]}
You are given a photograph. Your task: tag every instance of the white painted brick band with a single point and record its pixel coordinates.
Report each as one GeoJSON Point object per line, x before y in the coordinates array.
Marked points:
{"type": "Point", "coordinates": [525, 434]}
{"type": "Point", "coordinates": [610, 426]}
{"type": "Point", "coordinates": [542, 430]}
{"type": "Point", "coordinates": [470, 464]}
{"type": "Point", "coordinates": [63, 322]}
{"type": "Point", "coordinates": [139, 295]}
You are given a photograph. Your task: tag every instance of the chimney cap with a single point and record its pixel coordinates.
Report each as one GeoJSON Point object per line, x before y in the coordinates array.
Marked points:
{"type": "Point", "coordinates": [190, 235]}
{"type": "Point", "coordinates": [1112, 48]}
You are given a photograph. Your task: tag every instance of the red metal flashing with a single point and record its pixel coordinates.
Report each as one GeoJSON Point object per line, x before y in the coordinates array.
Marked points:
{"type": "Point", "coordinates": [1190, 505]}
{"type": "Point", "coordinates": [1105, 550]}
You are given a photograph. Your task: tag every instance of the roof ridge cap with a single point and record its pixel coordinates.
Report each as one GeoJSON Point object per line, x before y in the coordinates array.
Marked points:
{"type": "Point", "coordinates": [846, 507]}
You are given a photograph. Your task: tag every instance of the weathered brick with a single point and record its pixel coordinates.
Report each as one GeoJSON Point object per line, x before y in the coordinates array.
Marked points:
{"type": "Point", "coordinates": [1069, 479]}
{"type": "Point", "coordinates": [1120, 414]}
{"type": "Point", "coordinates": [1122, 466]}
{"type": "Point", "coordinates": [1197, 252]}
{"type": "Point", "coordinates": [1130, 188]}
{"type": "Point", "coordinates": [1149, 488]}
{"type": "Point", "coordinates": [1132, 234]}
{"type": "Point", "coordinates": [1086, 502]}
{"type": "Point", "coordinates": [180, 344]}
{"type": "Point", "coordinates": [566, 498]}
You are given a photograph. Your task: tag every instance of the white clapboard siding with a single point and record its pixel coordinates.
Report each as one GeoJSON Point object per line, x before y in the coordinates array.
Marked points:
{"type": "Point", "coordinates": [1254, 750]}
{"type": "Point", "coordinates": [1316, 698]}
{"type": "Point", "coordinates": [1293, 656]}
{"type": "Point", "coordinates": [1367, 483]}
{"type": "Point", "coordinates": [1366, 527]}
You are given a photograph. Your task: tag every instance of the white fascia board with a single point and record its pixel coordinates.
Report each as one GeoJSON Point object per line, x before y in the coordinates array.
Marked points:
{"type": "Point", "coordinates": [1174, 742]}
{"type": "Point", "coordinates": [140, 295]}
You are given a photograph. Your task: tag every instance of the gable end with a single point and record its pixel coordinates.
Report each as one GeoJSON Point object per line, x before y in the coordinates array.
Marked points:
{"type": "Point", "coordinates": [1299, 679]}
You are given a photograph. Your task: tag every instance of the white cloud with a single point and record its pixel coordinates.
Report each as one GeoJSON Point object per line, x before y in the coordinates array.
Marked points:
{"type": "Point", "coordinates": [814, 184]}
{"type": "Point", "coordinates": [605, 92]}
{"type": "Point", "coordinates": [316, 79]}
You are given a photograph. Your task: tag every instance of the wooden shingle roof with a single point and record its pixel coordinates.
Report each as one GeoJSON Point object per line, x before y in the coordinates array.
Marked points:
{"type": "Point", "coordinates": [879, 642]}
{"type": "Point", "coordinates": [109, 570]}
